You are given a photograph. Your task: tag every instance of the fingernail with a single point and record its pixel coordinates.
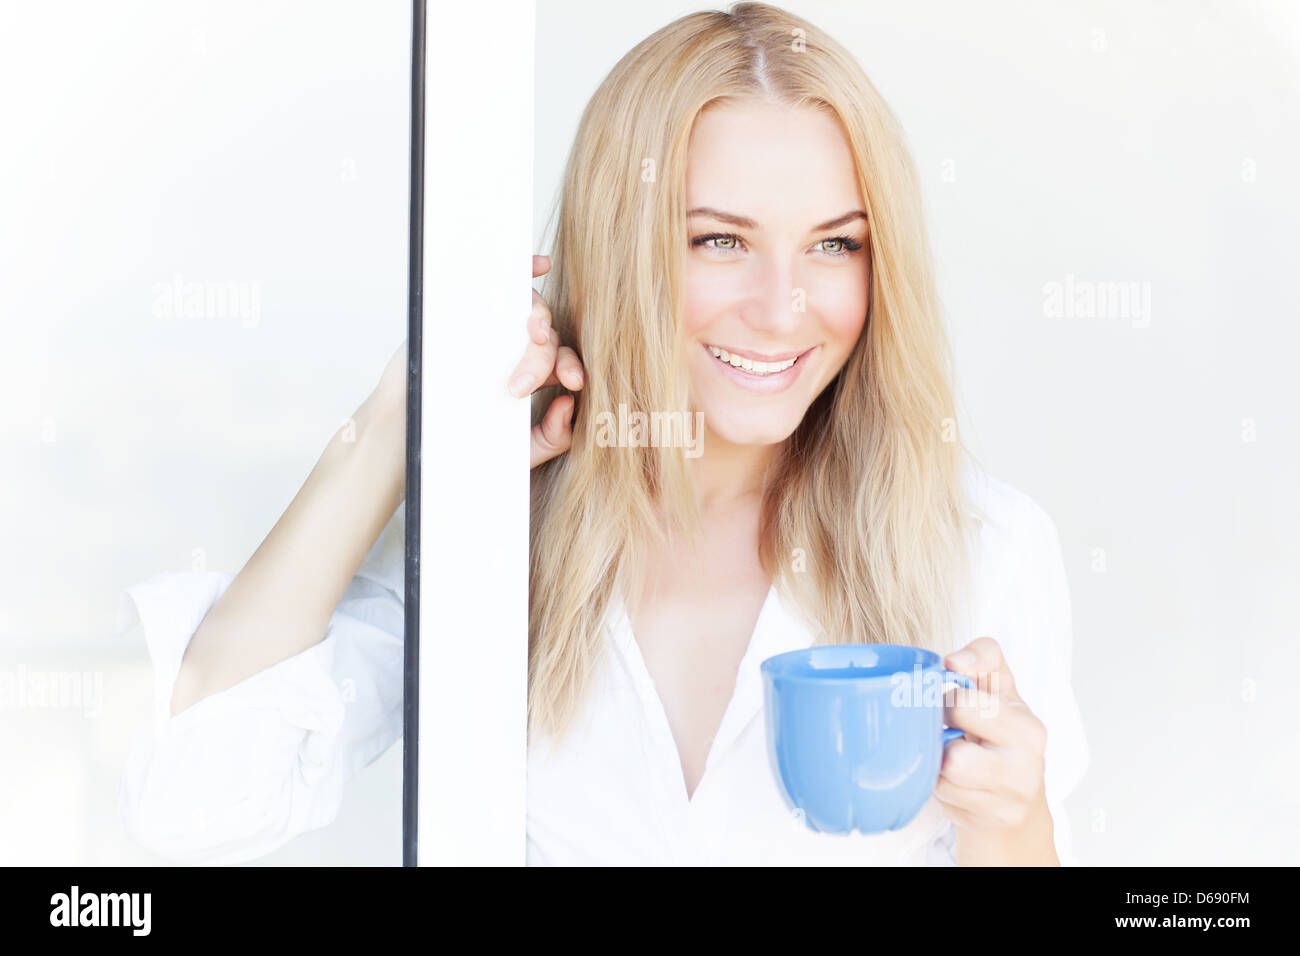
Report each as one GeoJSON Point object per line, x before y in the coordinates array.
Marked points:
{"type": "Point", "coordinates": [522, 384]}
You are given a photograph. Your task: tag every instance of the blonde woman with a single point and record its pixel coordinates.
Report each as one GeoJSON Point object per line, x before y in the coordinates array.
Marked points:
{"type": "Point", "coordinates": [743, 445]}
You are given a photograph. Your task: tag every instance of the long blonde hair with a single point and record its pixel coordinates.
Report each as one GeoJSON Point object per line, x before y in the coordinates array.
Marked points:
{"type": "Point", "coordinates": [867, 493]}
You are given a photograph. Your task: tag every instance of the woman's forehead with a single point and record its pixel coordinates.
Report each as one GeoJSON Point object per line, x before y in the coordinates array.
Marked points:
{"type": "Point", "coordinates": [771, 163]}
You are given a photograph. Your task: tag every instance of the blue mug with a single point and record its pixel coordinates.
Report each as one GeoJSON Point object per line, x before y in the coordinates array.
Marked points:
{"type": "Point", "coordinates": [855, 732]}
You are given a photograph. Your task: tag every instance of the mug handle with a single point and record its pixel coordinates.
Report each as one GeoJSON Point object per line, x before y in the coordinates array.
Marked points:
{"type": "Point", "coordinates": [952, 733]}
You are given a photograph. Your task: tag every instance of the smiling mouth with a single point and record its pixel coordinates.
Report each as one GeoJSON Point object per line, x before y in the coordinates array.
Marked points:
{"type": "Point", "coordinates": [755, 367]}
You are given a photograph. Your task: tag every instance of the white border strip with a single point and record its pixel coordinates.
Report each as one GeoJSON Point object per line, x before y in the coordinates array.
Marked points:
{"type": "Point", "coordinates": [478, 235]}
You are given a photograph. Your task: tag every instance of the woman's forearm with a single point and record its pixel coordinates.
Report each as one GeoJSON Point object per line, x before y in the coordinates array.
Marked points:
{"type": "Point", "coordinates": [281, 602]}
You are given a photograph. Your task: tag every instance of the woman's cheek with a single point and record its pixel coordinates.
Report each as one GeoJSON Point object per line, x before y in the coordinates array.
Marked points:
{"type": "Point", "coordinates": [707, 298]}
{"type": "Point", "coordinates": [843, 313]}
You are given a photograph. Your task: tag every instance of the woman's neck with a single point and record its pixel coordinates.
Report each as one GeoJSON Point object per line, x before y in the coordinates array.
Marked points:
{"type": "Point", "coordinates": [727, 473]}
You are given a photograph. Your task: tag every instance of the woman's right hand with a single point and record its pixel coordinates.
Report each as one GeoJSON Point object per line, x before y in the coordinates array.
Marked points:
{"type": "Point", "coordinates": [547, 362]}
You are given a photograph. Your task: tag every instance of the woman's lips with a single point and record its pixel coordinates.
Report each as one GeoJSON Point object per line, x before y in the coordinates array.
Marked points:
{"type": "Point", "coordinates": [762, 383]}
{"type": "Point", "coordinates": [757, 356]}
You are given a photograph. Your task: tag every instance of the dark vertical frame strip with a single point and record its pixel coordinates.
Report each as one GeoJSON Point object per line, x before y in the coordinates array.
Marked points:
{"type": "Point", "coordinates": [414, 391]}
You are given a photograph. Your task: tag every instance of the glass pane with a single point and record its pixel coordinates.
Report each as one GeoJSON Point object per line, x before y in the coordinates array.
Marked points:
{"type": "Point", "coordinates": [206, 285]}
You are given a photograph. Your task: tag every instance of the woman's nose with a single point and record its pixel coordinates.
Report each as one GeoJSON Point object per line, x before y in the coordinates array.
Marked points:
{"type": "Point", "coordinates": [779, 302]}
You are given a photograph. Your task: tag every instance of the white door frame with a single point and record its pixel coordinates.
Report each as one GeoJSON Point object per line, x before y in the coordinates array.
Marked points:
{"type": "Point", "coordinates": [470, 515]}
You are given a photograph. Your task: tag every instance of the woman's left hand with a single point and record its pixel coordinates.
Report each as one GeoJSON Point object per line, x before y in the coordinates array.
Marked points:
{"type": "Point", "coordinates": [992, 787]}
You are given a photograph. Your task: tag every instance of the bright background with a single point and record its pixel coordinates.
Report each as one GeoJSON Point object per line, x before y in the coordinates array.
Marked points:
{"type": "Point", "coordinates": [266, 143]}
{"type": "Point", "coordinates": [1111, 141]}
{"type": "Point", "coordinates": [263, 143]}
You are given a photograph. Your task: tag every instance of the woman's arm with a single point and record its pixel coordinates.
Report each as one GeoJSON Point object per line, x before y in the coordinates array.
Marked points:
{"type": "Point", "coordinates": [280, 603]}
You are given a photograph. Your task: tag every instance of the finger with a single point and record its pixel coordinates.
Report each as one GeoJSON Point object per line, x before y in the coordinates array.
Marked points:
{"type": "Point", "coordinates": [539, 319]}
{"type": "Point", "coordinates": [554, 433]}
{"type": "Point", "coordinates": [967, 764]}
{"type": "Point", "coordinates": [958, 815]}
{"type": "Point", "coordinates": [568, 368]}
{"type": "Point", "coordinates": [1000, 721]}
{"type": "Point", "coordinates": [537, 368]}
{"type": "Point", "coordinates": [979, 808]}
{"type": "Point", "coordinates": [541, 265]}
{"type": "Point", "coordinates": [979, 805]}
{"type": "Point", "coordinates": [982, 660]}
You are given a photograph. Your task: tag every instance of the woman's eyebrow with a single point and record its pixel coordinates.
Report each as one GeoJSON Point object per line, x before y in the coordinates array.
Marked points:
{"type": "Point", "coordinates": [843, 220]}
{"type": "Point", "coordinates": [746, 223]}
{"type": "Point", "coordinates": [726, 217]}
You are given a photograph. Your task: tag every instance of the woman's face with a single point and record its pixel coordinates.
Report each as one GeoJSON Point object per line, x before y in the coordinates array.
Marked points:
{"type": "Point", "coordinates": [776, 269]}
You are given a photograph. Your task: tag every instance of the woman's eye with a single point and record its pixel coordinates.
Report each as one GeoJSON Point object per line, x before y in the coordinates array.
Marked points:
{"type": "Point", "coordinates": [839, 246]}
{"type": "Point", "coordinates": [723, 243]}
{"type": "Point", "coordinates": [836, 247]}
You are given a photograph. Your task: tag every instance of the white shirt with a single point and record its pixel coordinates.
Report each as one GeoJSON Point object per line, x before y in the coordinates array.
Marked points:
{"type": "Point", "coordinates": [241, 772]}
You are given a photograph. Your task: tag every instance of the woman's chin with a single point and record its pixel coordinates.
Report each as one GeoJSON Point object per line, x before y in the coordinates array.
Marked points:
{"type": "Point", "coordinates": [742, 429]}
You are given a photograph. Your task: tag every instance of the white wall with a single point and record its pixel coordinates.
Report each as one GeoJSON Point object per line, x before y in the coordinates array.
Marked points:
{"type": "Point", "coordinates": [237, 141]}
{"type": "Point", "coordinates": [1112, 142]}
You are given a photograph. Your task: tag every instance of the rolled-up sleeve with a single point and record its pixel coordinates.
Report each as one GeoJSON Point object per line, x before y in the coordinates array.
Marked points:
{"type": "Point", "coordinates": [241, 772]}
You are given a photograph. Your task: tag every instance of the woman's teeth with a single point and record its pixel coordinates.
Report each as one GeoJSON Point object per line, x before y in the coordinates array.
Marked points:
{"type": "Point", "coordinates": [747, 365]}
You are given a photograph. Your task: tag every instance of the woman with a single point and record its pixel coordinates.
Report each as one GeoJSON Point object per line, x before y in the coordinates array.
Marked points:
{"type": "Point", "coordinates": [739, 245]}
